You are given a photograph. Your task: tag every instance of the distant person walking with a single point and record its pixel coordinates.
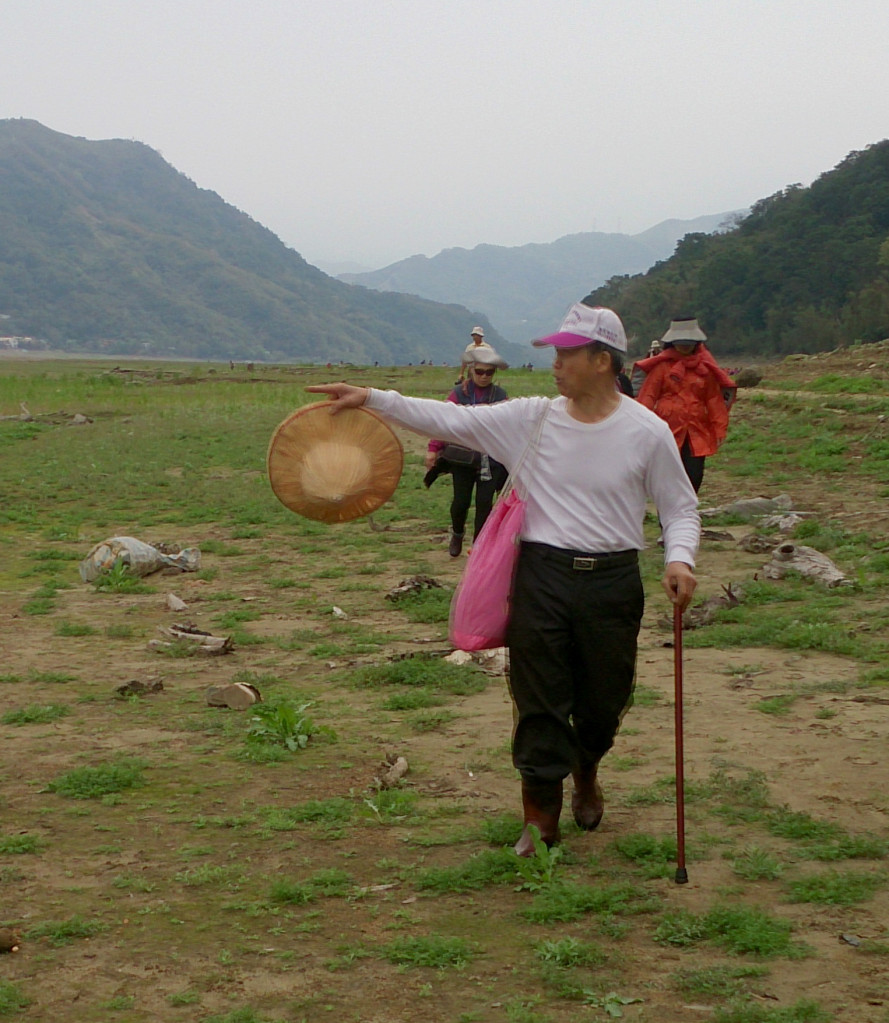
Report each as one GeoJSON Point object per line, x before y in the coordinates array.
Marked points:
{"type": "Point", "coordinates": [685, 387]}
{"type": "Point", "coordinates": [477, 342]}
{"type": "Point", "coordinates": [470, 469]}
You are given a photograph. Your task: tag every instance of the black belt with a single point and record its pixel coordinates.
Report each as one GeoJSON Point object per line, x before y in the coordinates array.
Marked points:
{"type": "Point", "coordinates": [581, 561]}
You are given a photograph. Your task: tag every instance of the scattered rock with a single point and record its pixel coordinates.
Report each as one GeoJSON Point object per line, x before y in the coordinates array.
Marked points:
{"type": "Point", "coordinates": [807, 561]}
{"type": "Point", "coordinates": [175, 603]}
{"type": "Point", "coordinates": [136, 687]}
{"type": "Point", "coordinates": [750, 507]}
{"type": "Point", "coordinates": [749, 376]}
{"type": "Point", "coordinates": [9, 940]}
{"type": "Point", "coordinates": [390, 772]}
{"type": "Point", "coordinates": [492, 662]}
{"type": "Point", "coordinates": [715, 534]}
{"type": "Point", "coordinates": [237, 696]}
{"type": "Point", "coordinates": [205, 641]}
{"type": "Point", "coordinates": [415, 584]}
{"type": "Point", "coordinates": [755, 543]}
{"type": "Point", "coordinates": [338, 612]}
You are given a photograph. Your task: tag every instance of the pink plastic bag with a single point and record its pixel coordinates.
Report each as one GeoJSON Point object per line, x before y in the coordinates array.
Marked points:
{"type": "Point", "coordinates": [480, 606]}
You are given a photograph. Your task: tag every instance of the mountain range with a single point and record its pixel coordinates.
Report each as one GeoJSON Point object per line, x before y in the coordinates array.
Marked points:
{"type": "Point", "coordinates": [105, 247]}
{"type": "Point", "coordinates": [526, 289]}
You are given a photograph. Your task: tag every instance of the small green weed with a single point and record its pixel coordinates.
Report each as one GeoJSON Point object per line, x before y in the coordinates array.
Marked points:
{"type": "Point", "coordinates": [778, 705]}
{"type": "Point", "coordinates": [748, 1012]}
{"type": "Point", "coordinates": [568, 952]}
{"type": "Point", "coordinates": [835, 888]}
{"type": "Point", "coordinates": [64, 932]}
{"type": "Point", "coordinates": [740, 930]}
{"type": "Point", "coordinates": [501, 831]}
{"type": "Point", "coordinates": [51, 677]}
{"type": "Point", "coordinates": [184, 998]}
{"type": "Point", "coordinates": [390, 805]}
{"type": "Point", "coordinates": [717, 981]}
{"type": "Point", "coordinates": [431, 720]}
{"type": "Point", "coordinates": [102, 780]}
{"type": "Point", "coordinates": [119, 579]}
{"type": "Point", "coordinates": [438, 675]}
{"type": "Point", "coordinates": [298, 893]}
{"type": "Point", "coordinates": [490, 867]}
{"type": "Point", "coordinates": [333, 812]}
{"type": "Point", "coordinates": [15, 845]}
{"type": "Point", "coordinates": [35, 714]}
{"type": "Point", "coordinates": [565, 901]}
{"type": "Point", "coordinates": [283, 724]}
{"type": "Point", "coordinates": [755, 864]}
{"type": "Point", "coordinates": [426, 607]}
{"type": "Point", "coordinates": [411, 699]}
{"type": "Point", "coordinates": [435, 951]}
{"type": "Point", "coordinates": [654, 856]}
{"type": "Point", "coordinates": [538, 871]}
{"type": "Point", "coordinates": [12, 999]}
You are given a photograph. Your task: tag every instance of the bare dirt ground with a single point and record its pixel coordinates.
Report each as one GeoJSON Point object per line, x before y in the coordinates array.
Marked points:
{"type": "Point", "coordinates": [181, 941]}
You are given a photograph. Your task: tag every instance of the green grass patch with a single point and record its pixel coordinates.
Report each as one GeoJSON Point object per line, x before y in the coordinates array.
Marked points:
{"type": "Point", "coordinates": [63, 932]}
{"type": "Point", "coordinates": [835, 888]}
{"type": "Point", "coordinates": [803, 1011]}
{"type": "Point", "coordinates": [434, 674]}
{"type": "Point", "coordinates": [566, 901]}
{"type": "Point", "coordinates": [740, 930]}
{"type": "Point", "coordinates": [101, 780]}
{"type": "Point", "coordinates": [490, 867]}
{"type": "Point", "coordinates": [12, 999]}
{"type": "Point", "coordinates": [35, 714]}
{"type": "Point", "coordinates": [15, 845]}
{"type": "Point", "coordinates": [434, 951]}
{"type": "Point", "coordinates": [426, 607]}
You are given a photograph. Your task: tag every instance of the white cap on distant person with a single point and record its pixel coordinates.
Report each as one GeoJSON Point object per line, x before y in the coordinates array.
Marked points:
{"type": "Point", "coordinates": [584, 324]}
{"type": "Point", "coordinates": [477, 332]}
{"type": "Point", "coordinates": [682, 330]}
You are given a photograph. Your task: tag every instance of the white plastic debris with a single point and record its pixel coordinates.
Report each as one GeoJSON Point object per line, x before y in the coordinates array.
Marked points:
{"type": "Point", "coordinates": [139, 557]}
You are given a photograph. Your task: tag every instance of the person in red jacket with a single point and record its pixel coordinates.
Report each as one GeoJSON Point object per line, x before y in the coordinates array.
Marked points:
{"type": "Point", "coordinates": [686, 388]}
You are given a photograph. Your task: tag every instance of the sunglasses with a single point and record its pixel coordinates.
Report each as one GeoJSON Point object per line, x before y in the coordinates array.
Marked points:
{"type": "Point", "coordinates": [484, 372]}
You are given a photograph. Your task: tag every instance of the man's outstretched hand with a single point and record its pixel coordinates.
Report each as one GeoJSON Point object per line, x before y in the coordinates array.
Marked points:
{"type": "Point", "coordinates": [342, 395]}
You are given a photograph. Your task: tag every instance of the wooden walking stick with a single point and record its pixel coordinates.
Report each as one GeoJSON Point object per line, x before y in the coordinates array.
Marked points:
{"type": "Point", "coordinates": [681, 872]}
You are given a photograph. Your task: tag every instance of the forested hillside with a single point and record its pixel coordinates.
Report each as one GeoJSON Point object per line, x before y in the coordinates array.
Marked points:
{"type": "Point", "coordinates": [106, 247]}
{"type": "Point", "coordinates": [806, 271]}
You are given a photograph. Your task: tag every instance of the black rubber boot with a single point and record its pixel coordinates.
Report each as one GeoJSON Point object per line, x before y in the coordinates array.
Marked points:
{"type": "Point", "coordinates": [542, 804]}
{"type": "Point", "coordinates": [587, 801]}
{"type": "Point", "coordinates": [456, 544]}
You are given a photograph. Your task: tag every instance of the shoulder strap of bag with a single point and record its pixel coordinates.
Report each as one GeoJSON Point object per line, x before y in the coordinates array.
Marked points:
{"type": "Point", "coordinates": [530, 449]}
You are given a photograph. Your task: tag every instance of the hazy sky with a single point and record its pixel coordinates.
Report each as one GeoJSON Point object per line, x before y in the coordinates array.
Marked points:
{"type": "Point", "coordinates": [370, 130]}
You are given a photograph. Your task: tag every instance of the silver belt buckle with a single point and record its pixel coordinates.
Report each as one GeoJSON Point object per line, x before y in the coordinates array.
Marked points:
{"type": "Point", "coordinates": [584, 564]}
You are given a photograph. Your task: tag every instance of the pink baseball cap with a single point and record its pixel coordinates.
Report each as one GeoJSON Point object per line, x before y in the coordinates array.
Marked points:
{"type": "Point", "coordinates": [584, 324]}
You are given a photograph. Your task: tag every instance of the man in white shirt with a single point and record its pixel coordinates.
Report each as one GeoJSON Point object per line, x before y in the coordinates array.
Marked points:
{"type": "Point", "coordinates": [477, 342]}
{"type": "Point", "coordinates": [577, 600]}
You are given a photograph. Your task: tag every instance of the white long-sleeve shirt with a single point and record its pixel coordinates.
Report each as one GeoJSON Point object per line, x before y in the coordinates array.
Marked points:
{"type": "Point", "coordinates": [586, 484]}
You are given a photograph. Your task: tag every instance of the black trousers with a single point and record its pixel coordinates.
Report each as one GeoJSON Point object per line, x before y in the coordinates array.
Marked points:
{"type": "Point", "coordinates": [465, 477]}
{"type": "Point", "coordinates": [572, 643]}
{"type": "Point", "coordinates": [693, 464]}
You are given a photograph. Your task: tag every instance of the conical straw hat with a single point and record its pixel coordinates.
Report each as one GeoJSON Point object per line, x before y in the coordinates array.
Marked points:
{"type": "Point", "coordinates": [334, 468]}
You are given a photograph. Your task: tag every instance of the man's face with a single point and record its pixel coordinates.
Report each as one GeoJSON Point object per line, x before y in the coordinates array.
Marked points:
{"type": "Point", "coordinates": [574, 370]}
{"type": "Point", "coordinates": [478, 339]}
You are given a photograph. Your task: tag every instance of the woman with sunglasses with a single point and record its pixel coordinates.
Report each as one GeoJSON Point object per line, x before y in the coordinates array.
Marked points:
{"type": "Point", "coordinates": [470, 469]}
